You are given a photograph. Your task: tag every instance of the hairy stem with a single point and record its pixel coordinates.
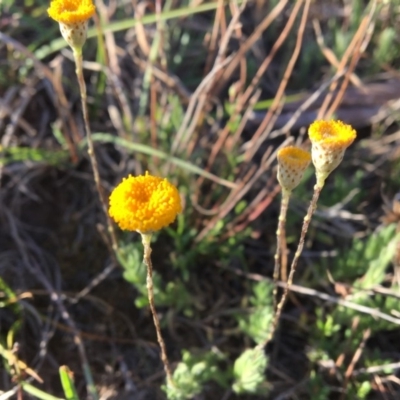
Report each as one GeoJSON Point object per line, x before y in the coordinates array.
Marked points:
{"type": "Point", "coordinates": [150, 292]}
{"type": "Point", "coordinates": [82, 87]}
{"type": "Point", "coordinates": [306, 223]}
{"type": "Point", "coordinates": [280, 232]}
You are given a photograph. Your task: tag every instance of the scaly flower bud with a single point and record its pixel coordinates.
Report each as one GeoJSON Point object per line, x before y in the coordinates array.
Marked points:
{"type": "Point", "coordinates": [292, 162]}
{"type": "Point", "coordinates": [329, 141]}
{"type": "Point", "coordinates": [73, 16]}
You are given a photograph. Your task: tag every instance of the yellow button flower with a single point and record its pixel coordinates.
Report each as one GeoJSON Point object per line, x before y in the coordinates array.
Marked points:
{"type": "Point", "coordinates": [329, 140]}
{"type": "Point", "coordinates": [144, 203]}
{"type": "Point", "coordinates": [292, 162]}
{"type": "Point", "coordinates": [73, 16]}
{"type": "Point", "coordinates": [71, 11]}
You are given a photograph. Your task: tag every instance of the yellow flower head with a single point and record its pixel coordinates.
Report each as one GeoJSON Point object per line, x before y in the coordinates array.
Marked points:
{"type": "Point", "coordinates": [292, 162]}
{"type": "Point", "coordinates": [144, 203]}
{"type": "Point", "coordinates": [334, 135]}
{"type": "Point", "coordinates": [71, 11]}
{"type": "Point", "coordinates": [73, 16]}
{"type": "Point", "coordinates": [329, 140]}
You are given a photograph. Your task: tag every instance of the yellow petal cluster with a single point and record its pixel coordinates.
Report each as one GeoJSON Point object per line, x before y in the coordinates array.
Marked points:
{"type": "Point", "coordinates": [144, 203]}
{"type": "Point", "coordinates": [292, 162]}
{"type": "Point", "coordinates": [71, 11]}
{"type": "Point", "coordinates": [334, 135]}
{"type": "Point", "coordinates": [329, 140]}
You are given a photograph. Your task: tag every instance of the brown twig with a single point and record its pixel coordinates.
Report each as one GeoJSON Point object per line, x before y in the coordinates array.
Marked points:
{"type": "Point", "coordinates": [354, 360]}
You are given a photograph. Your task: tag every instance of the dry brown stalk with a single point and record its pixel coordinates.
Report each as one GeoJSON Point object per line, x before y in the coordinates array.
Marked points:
{"type": "Point", "coordinates": [243, 121]}
{"type": "Point", "coordinates": [265, 23]}
{"type": "Point", "coordinates": [200, 96]}
{"type": "Point", "coordinates": [32, 264]}
{"type": "Point", "coordinates": [354, 360]}
{"type": "Point", "coordinates": [351, 49]}
{"type": "Point", "coordinates": [60, 101]}
{"type": "Point", "coordinates": [218, 24]}
{"type": "Point", "coordinates": [257, 206]}
{"type": "Point", "coordinates": [266, 123]}
{"type": "Point", "coordinates": [247, 182]}
{"type": "Point", "coordinates": [243, 99]}
{"type": "Point", "coordinates": [330, 55]}
{"type": "Point", "coordinates": [277, 45]}
{"type": "Point", "coordinates": [360, 34]}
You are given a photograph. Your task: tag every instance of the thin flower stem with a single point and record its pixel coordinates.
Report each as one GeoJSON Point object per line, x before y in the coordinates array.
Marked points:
{"type": "Point", "coordinates": [92, 156]}
{"type": "Point", "coordinates": [306, 223]}
{"type": "Point", "coordinates": [150, 292]}
{"type": "Point", "coordinates": [280, 232]}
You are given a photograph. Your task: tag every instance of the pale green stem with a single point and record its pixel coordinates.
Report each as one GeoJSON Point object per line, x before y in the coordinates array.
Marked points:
{"type": "Point", "coordinates": [146, 238]}
{"type": "Point", "coordinates": [92, 156]}
{"type": "Point", "coordinates": [279, 235]}
{"type": "Point", "coordinates": [306, 223]}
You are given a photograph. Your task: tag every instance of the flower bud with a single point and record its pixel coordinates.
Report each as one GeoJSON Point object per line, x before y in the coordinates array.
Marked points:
{"type": "Point", "coordinates": [329, 140]}
{"type": "Point", "coordinates": [292, 162]}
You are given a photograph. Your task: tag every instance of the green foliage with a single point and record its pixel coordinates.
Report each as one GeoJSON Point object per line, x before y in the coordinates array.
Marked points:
{"type": "Point", "coordinates": [317, 388]}
{"type": "Point", "coordinates": [8, 298]}
{"type": "Point", "coordinates": [367, 260]}
{"type": "Point", "coordinates": [258, 322]}
{"type": "Point", "coordinates": [249, 372]}
{"type": "Point", "coordinates": [363, 390]}
{"type": "Point", "coordinates": [174, 294]}
{"type": "Point", "coordinates": [364, 266]}
{"type": "Point", "coordinates": [326, 326]}
{"type": "Point", "coordinates": [37, 393]}
{"type": "Point", "coordinates": [68, 384]}
{"type": "Point", "coordinates": [387, 50]}
{"type": "Point", "coordinates": [192, 373]}
{"type": "Point", "coordinates": [187, 252]}
{"type": "Point", "coordinates": [25, 154]}
{"type": "Point", "coordinates": [340, 186]}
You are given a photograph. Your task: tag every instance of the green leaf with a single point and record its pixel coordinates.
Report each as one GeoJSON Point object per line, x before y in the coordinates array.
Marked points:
{"type": "Point", "coordinates": [191, 374]}
{"type": "Point", "coordinates": [37, 393]}
{"type": "Point", "coordinates": [249, 372]}
{"type": "Point", "coordinates": [148, 150]}
{"type": "Point", "coordinates": [67, 383]}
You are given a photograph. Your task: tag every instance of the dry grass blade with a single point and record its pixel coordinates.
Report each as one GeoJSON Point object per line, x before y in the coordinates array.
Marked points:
{"type": "Point", "coordinates": [245, 47]}
{"type": "Point", "coordinates": [266, 123]}
{"type": "Point", "coordinates": [351, 51]}
{"type": "Point", "coordinates": [60, 101]}
{"type": "Point", "coordinates": [34, 268]}
{"type": "Point", "coordinates": [203, 93]}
